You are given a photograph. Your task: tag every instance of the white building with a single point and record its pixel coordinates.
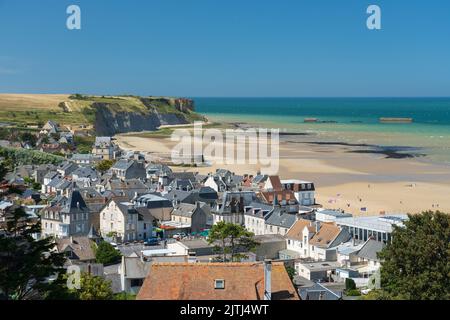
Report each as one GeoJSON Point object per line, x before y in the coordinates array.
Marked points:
{"type": "Point", "coordinates": [122, 219]}
{"type": "Point", "coordinates": [378, 227]}
{"type": "Point", "coordinates": [304, 191]}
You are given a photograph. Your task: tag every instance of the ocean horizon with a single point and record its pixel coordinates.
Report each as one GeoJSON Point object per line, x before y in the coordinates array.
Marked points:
{"type": "Point", "coordinates": [352, 120]}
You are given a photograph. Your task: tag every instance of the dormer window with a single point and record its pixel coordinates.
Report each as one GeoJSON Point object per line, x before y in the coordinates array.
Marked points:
{"type": "Point", "coordinates": [219, 284]}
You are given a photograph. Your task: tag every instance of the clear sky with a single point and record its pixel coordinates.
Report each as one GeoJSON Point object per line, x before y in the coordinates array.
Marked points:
{"type": "Point", "coordinates": [226, 48]}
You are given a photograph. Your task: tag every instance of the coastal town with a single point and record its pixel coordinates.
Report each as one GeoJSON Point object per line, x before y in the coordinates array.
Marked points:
{"type": "Point", "coordinates": [152, 231]}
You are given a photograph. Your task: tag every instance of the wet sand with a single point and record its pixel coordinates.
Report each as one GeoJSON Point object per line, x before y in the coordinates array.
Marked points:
{"type": "Point", "coordinates": [347, 176]}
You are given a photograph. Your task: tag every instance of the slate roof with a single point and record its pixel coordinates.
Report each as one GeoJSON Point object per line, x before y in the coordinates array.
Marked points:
{"type": "Point", "coordinates": [123, 164]}
{"type": "Point", "coordinates": [75, 203]}
{"type": "Point", "coordinates": [319, 292]}
{"type": "Point", "coordinates": [80, 246]}
{"type": "Point", "coordinates": [281, 218]}
{"type": "Point", "coordinates": [370, 249]}
{"type": "Point", "coordinates": [184, 210]}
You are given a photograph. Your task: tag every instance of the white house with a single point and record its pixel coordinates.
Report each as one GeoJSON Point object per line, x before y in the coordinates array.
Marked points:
{"type": "Point", "coordinates": [122, 219]}
{"type": "Point", "coordinates": [298, 237]}
{"type": "Point", "coordinates": [304, 191]}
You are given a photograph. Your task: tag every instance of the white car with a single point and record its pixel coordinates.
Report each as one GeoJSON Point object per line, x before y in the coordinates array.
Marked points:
{"type": "Point", "coordinates": [179, 236]}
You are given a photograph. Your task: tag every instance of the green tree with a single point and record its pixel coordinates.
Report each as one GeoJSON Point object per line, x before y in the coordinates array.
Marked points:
{"type": "Point", "coordinates": [229, 238]}
{"type": "Point", "coordinates": [350, 284]}
{"type": "Point", "coordinates": [94, 288]}
{"type": "Point", "coordinates": [416, 264]}
{"type": "Point", "coordinates": [291, 272]}
{"type": "Point", "coordinates": [29, 138]}
{"type": "Point", "coordinates": [124, 296]}
{"type": "Point", "coordinates": [104, 165]}
{"type": "Point", "coordinates": [107, 254]}
{"type": "Point", "coordinates": [3, 170]}
{"type": "Point", "coordinates": [27, 264]}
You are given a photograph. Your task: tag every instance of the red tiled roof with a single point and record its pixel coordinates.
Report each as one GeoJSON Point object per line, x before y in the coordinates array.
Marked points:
{"type": "Point", "coordinates": [196, 281]}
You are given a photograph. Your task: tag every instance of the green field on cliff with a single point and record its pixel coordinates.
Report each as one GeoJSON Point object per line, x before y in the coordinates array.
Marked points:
{"type": "Point", "coordinates": [76, 109]}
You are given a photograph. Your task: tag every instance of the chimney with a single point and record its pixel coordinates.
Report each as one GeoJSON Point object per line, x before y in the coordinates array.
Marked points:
{"type": "Point", "coordinates": [267, 279]}
{"type": "Point", "coordinates": [71, 239]}
{"type": "Point", "coordinates": [317, 226]}
{"type": "Point", "coordinates": [198, 204]}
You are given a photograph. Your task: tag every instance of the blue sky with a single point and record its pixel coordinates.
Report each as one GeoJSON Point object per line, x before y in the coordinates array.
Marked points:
{"type": "Point", "coordinates": [226, 48]}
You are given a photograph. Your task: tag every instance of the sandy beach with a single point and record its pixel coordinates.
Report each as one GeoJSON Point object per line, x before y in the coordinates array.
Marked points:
{"type": "Point", "coordinates": [346, 177]}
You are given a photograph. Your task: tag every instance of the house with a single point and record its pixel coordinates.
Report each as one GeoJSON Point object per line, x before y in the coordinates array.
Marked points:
{"type": "Point", "coordinates": [269, 246]}
{"type": "Point", "coordinates": [217, 281]}
{"type": "Point", "coordinates": [304, 191]}
{"type": "Point", "coordinates": [133, 270]}
{"type": "Point", "coordinates": [319, 292]}
{"type": "Point", "coordinates": [158, 173]}
{"type": "Point", "coordinates": [77, 249]}
{"type": "Point", "coordinates": [5, 207]}
{"type": "Point", "coordinates": [194, 215]}
{"type": "Point", "coordinates": [223, 180]}
{"type": "Point", "coordinates": [378, 228]}
{"type": "Point", "coordinates": [65, 217]}
{"type": "Point", "coordinates": [273, 183]}
{"type": "Point", "coordinates": [181, 184]}
{"type": "Point", "coordinates": [216, 183]}
{"type": "Point", "coordinates": [129, 169]}
{"type": "Point", "coordinates": [95, 203]}
{"type": "Point", "coordinates": [230, 206]}
{"type": "Point", "coordinates": [367, 258]}
{"type": "Point", "coordinates": [160, 208]}
{"type": "Point", "coordinates": [282, 197]}
{"type": "Point", "coordinates": [324, 242]}
{"type": "Point", "coordinates": [123, 220]}
{"type": "Point", "coordinates": [104, 148]}
{"type": "Point", "coordinates": [127, 188]}
{"type": "Point", "coordinates": [298, 237]}
{"type": "Point", "coordinates": [50, 127]}
{"type": "Point", "coordinates": [66, 168]}
{"type": "Point", "coordinates": [85, 159]}
{"type": "Point", "coordinates": [259, 181]}
{"type": "Point", "coordinates": [255, 215]}
{"type": "Point", "coordinates": [317, 271]}
{"type": "Point", "coordinates": [280, 220]}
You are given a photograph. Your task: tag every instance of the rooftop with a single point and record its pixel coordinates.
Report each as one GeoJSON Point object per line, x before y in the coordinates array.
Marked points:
{"type": "Point", "coordinates": [189, 281]}
{"type": "Point", "coordinates": [377, 223]}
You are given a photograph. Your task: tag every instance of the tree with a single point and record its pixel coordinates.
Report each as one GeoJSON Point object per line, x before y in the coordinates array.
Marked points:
{"type": "Point", "coordinates": [94, 288]}
{"type": "Point", "coordinates": [104, 165]}
{"type": "Point", "coordinates": [3, 171]}
{"type": "Point", "coordinates": [107, 254]}
{"type": "Point", "coordinates": [231, 238]}
{"type": "Point", "coordinates": [350, 284]}
{"type": "Point", "coordinates": [291, 272]}
{"type": "Point", "coordinates": [415, 265]}
{"type": "Point", "coordinates": [27, 264]}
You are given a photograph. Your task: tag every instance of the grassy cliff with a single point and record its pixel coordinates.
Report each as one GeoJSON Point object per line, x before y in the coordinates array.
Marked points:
{"type": "Point", "coordinates": [76, 109]}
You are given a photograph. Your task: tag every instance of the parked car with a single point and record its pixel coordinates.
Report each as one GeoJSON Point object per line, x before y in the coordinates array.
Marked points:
{"type": "Point", "coordinates": [179, 236]}
{"type": "Point", "coordinates": [151, 241]}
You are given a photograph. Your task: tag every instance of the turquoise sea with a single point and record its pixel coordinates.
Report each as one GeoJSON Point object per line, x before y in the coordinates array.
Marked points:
{"type": "Point", "coordinates": [351, 120]}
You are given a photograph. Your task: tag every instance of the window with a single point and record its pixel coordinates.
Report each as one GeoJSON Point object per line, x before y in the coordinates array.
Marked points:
{"type": "Point", "coordinates": [219, 284]}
